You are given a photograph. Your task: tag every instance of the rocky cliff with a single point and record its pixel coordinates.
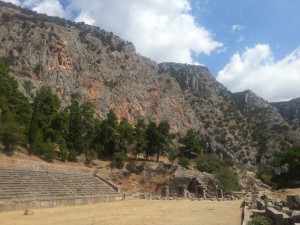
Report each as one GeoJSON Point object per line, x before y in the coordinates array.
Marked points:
{"type": "Point", "coordinates": [289, 110]}
{"type": "Point", "coordinates": [106, 70]}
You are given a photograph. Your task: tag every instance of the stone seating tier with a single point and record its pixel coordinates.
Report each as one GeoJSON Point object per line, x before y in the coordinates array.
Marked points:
{"type": "Point", "coordinates": [18, 185]}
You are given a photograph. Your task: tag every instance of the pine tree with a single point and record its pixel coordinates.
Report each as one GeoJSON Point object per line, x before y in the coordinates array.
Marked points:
{"type": "Point", "coordinates": [33, 126]}
{"type": "Point", "coordinates": [11, 133]}
{"type": "Point", "coordinates": [190, 144]}
{"type": "Point", "coordinates": [139, 138]}
{"type": "Point", "coordinates": [106, 139]}
{"type": "Point", "coordinates": [74, 139]}
{"type": "Point", "coordinates": [125, 131]}
{"type": "Point", "coordinates": [164, 137]}
{"type": "Point", "coordinates": [153, 139]}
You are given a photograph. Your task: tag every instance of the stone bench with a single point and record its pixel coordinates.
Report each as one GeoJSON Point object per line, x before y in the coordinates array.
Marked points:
{"type": "Point", "coordinates": [279, 218]}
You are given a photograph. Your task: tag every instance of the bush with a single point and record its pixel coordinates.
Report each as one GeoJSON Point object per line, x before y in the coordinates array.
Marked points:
{"type": "Point", "coordinates": [72, 155]}
{"type": "Point", "coordinates": [227, 180]}
{"type": "Point", "coordinates": [184, 162]}
{"type": "Point", "coordinates": [47, 150]}
{"type": "Point", "coordinates": [131, 167]}
{"type": "Point", "coordinates": [209, 163]}
{"type": "Point", "coordinates": [258, 221]}
{"type": "Point", "coordinates": [90, 155]}
{"type": "Point", "coordinates": [118, 161]}
{"type": "Point", "coordinates": [172, 156]}
{"type": "Point", "coordinates": [265, 176]}
{"type": "Point", "coordinates": [208, 167]}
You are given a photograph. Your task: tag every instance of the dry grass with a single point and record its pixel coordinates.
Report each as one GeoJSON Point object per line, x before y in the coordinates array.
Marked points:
{"type": "Point", "coordinates": [281, 194]}
{"type": "Point", "coordinates": [133, 212]}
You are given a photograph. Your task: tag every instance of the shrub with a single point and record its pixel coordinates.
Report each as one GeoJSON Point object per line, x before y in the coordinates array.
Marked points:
{"type": "Point", "coordinates": [118, 161]}
{"type": "Point", "coordinates": [47, 150]}
{"type": "Point", "coordinates": [227, 180]}
{"type": "Point", "coordinates": [72, 155]}
{"type": "Point", "coordinates": [258, 221]}
{"type": "Point", "coordinates": [209, 167]}
{"type": "Point", "coordinates": [265, 176]}
{"type": "Point", "coordinates": [208, 163]}
{"type": "Point", "coordinates": [184, 162]}
{"type": "Point", "coordinates": [131, 167]}
{"type": "Point", "coordinates": [172, 156]}
{"type": "Point", "coordinates": [90, 155]}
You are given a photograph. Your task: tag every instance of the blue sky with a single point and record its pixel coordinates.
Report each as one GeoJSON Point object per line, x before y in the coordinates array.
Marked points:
{"type": "Point", "coordinates": [246, 44]}
{"type": "Point", "coordinates": [272, 22]}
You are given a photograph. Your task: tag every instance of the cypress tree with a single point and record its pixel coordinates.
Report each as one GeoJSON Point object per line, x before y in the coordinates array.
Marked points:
{"type": "Point", "coordinates": [75, 141]}
{"type": "Point", "coordinates": [33, 125]}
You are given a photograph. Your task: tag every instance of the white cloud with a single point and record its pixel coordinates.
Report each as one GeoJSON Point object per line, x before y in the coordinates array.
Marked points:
{"type": "Point", "coordinates": [237, 27]}
{"type": "Point", "coordinates": [49, 7]}
{"type": "Point", "coordinates": [161, 30]}
{"type": "Point", "coordinates": [16, 2]}
{"type": "Point", "coordinates": [256, 69]}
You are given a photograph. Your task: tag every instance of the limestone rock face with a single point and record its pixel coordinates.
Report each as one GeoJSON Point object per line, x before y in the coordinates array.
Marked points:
{"type": "Point", "coordinates": [289, 110]}
{"type": "Point", "coordinates": [99, 66]}
{"type": "Point", "coordinates": [107, 71]}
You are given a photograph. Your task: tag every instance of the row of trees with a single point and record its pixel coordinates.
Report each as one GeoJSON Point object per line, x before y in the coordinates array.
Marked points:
{"type": "Point", "coordinates": [51, 131]}
{"type": "Point", "coordinates": [74, 131]}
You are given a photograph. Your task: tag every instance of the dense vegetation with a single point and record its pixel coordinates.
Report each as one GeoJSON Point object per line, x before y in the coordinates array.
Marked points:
{"type": "Point", "coordinates": [284, 171]}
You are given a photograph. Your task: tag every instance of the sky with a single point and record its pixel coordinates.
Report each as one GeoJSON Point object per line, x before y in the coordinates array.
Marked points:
{"type": "Point", "coordinates": [246, 44]}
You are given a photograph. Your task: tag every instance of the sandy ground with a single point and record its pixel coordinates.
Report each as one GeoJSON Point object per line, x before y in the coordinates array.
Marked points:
{"type": "Point", "coordinates": [133, 212]}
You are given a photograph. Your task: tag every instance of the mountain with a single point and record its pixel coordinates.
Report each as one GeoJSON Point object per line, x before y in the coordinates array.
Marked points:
{"type": "Point", "coordinates": [290, 110]}
{"type": "Point", "coordinates": [106, 70]}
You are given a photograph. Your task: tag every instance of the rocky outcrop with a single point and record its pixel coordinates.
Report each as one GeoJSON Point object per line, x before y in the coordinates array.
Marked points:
{"type": "Point", "coordinates": [289, 110]}
{"type": "Point", "coordinates": [249, 101]}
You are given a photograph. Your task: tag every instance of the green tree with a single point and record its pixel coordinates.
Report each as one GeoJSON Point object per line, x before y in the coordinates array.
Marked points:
{"type": "Point", "coordinates": [14, 110]}
{"type": "Point", "coordinates": [74, 137]}
{"type": "Point", "coordinates": [125, 131]}
{"type": "Point", "coordinates": [184, 162]}
{"type": "Point", "coordinates": [158, 138]}
{"type": "Point", "coordinates": [106, 140]}
{"type": "Point", "coordinates": [11, 133]}
{"type": "Point", "coordinates": [227, 180]}
{"type": "Point", "coordinates": [45, 108]}
{"type": "Point", "coordinates": [209, 163]}
{"type": "Point", "coordinates": [88, 124]}
{"type": "Point", "coordinates": [165, 137]}
{"type": "Point", "coordinates": [153, 139]}
{"type": "Point", "coordinates": [190, 144]}
{"type": "Point", "coordinates": [288, 163]}
{"type": "Point", "coordinates": [112, 119]}
{"type": "Point", "coordinates": [139, 138]}
{"type": "Point", "coordinates": [11, 99]}
{"type": "Point", "coordinates": [33, 126]}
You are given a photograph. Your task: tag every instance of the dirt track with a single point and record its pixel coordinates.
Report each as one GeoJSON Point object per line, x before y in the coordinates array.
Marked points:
{"type": "Point", "coordinates": [133, 212]}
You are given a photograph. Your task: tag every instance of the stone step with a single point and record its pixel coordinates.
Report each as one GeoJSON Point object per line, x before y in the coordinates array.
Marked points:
{"type": "Point", "coordinates": [23, 184]}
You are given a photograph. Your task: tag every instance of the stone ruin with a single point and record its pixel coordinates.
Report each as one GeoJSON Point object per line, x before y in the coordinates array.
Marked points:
{"type": "Point", "coordinates": [192, 184]}
{"type": "Point", "coordinates": [276, 212]}
{"type": "Point", "coordinates": [23, 189]}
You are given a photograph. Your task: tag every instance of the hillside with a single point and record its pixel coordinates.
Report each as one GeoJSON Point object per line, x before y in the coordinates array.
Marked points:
{"type": "Point", "coordinates": [107, 71]}
{"type": "Point", "coordinates": [290, 110]}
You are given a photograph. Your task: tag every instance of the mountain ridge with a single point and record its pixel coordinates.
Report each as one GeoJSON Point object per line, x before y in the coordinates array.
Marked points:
{"type": "Point", "coordinates": [106, 70]}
